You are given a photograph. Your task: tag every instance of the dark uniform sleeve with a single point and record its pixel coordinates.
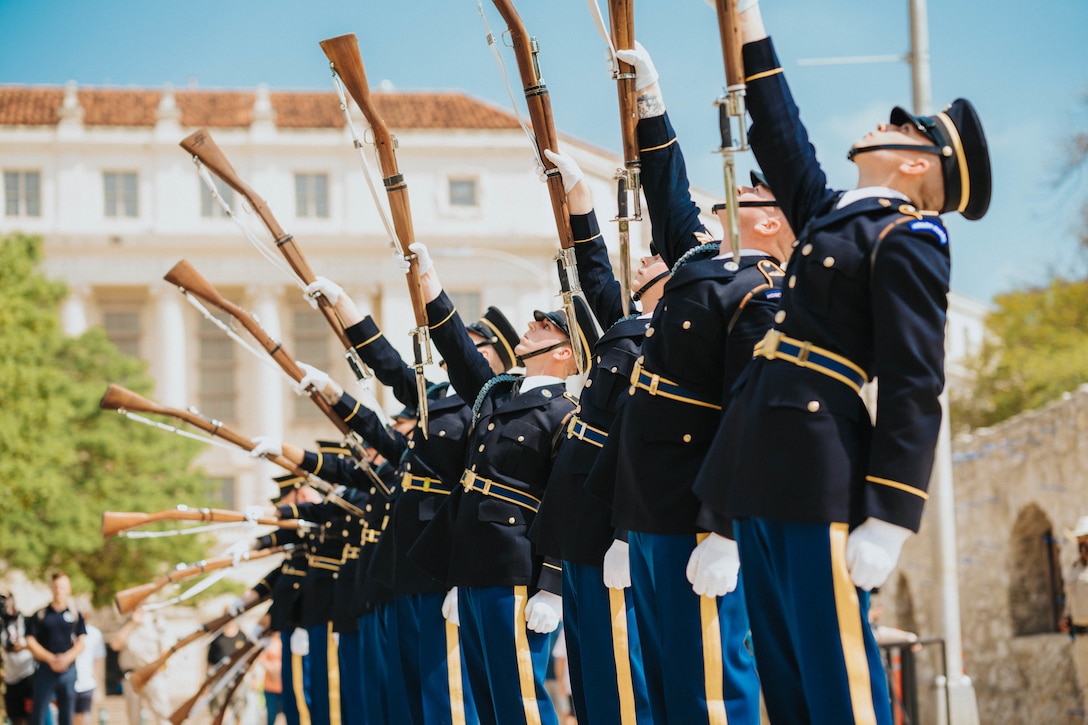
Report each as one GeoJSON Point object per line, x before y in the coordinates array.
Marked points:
{"type": "Point", "coordinates": [467, 368]}
{"type": "Point", "coordinates": [674, 217]}
{"type": "Point", "coordinates": [779, 140]}
{"type": "Point", "coordinates": [599, 284]}
{"type": "Point", "coordinates": [388, 366]}
{"type": "Point", "coordinates": [551, 575]}
{"type": "Point", "coordinates": [910, 292]}
{"type": "Point", "coordinates": [364, 421]}
{"type": "Point", "coordinates": [264, 587]}
{"type": "Point", "coordinates": [337, 465]}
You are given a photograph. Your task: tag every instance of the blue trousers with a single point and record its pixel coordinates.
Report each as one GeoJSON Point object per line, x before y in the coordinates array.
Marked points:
{"type": "Point", "coordinates": [352, 697]}
{"type": "Point", "coordinates": [295, 671]}
{"type": "Point", "coordinates": [698, 666]}
{"type": "Point", "coordinates": [604, 655]}
{"type": "Point", "coordinates": [49, 684]}
{"type": "Point", "coordinates": [432, 663]}
{"type": "Point", "coordinates": [817, 656]}
{"type": "Point", "coordinates": [506, 662]}
{"type": "Point", "coordinates": [324, 676]}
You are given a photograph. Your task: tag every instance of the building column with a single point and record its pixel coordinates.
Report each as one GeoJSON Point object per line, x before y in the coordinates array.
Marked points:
{"type": "Point", "coordinates": [171, 358]}
{"type": "Point", "coordinates": [266, 389]}
{"type": "Point", "coordinates": [73, 314]}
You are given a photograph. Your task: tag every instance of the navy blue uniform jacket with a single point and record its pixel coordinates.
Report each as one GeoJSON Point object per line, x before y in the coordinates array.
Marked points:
{"type": "Point", "coordinates": [700, 337]}
{"type": "Point", "coordinates": [573, 524]}
{"type": "Point", "coordinates": [478, 540]}
{"type": "Point", "coordinates": [868, 282]}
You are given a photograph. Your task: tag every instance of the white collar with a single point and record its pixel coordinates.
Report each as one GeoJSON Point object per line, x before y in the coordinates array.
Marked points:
{"type": "Point", "coordinates": [869, 192]}
{"type": "Point", "coordinates": [743, 253]}
{"type": "Point", "coordinates": [537, 381]}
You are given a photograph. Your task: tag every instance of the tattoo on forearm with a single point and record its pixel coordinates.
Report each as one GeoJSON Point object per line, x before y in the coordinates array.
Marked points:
{"type": "Point", "coordinates": [650, 105]}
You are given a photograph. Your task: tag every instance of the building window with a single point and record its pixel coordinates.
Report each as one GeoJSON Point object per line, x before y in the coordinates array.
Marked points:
{"type": "Point", "coordinates": [123, 330]}
{"type": "Point", "coordinates": [221, 491]}
{"type": "Point", "coordinates": [209, 207]}
{"type": "Point", "coordinates": [463, 193]}
{"type": "Point", "coordinates": [22, 193]}
{"type": "Point", "coordinates": [311, 346]}
{"type": "Point", "coordinates": [467, 304]}
{"type": "Point", "coordinates": [216, 387]}
{"type": "Point", "coordinates": [312, 195]}
{"type": "Point", "coordinates": [120, 193]}
{"type": "Point", "coordinates": [1035, 581]}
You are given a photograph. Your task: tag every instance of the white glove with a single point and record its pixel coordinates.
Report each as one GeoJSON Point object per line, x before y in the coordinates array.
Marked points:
{"type": "Point", "coordinates": [449, 608]}
{"type": "Point", "coordinates": [713, 566]}
{"type": "Point", "coordinates": [312, 377]}
{"type": "Point", "coordinates": [254, 512]}
{"type": "Point", "coordinates": [617, 566]}
{"type": "Point", "coordinates": [568, 168]}
{"type": "Point", "coordinates": [645, 73]}
{"type": "Point", "coordinates": [236, 607]}
{"type": "Point", "coordinates": [543, 612]}
{"type": "Point", "coordinates": [425, 262]}
{"type": "Point", "coordinates": [300, 642]}
{"type": "Point", "coordinates": [259, 630]}
{"type": "Point", "coordinates": [399, 261]}
{"type": "Point", "coordinates": [237, 551]}
{"type": "Point", "coordinates": [322, 287]}
{"type": "Point", "coordinates": [266, 446]}
{"type": "Point", "coordinates": [872, 551]}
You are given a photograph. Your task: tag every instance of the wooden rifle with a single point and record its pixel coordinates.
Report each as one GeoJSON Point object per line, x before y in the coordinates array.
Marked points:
{"type": "Point", "coordinates": [244, 657]}
{"type": "Point", "coordinates": [125, 401]}
{"type": "Point", "coordinates": [238, 673]}
{"type": "Point", "coordinates": [189, 281]}
{"type": "Point", "coordinates": [140, 676]}
{"type": "Point", "coordinates": [127, 599]}
{"type": "Point", "coordinates": [731, 110]}
{"type": "Point", "coordinates": [116, 522]}
{"type": "Point", "coordinates": [621, 19]}
{"type": "Point", "coordinates": [205, 150]}
{"type": "Point", "coordinates": [540, 113]}
{"type": "Point", "coordinates": [346, 62]}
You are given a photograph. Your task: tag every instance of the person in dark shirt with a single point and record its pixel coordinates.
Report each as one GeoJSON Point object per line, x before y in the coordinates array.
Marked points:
{"type": "Point", "coordinates": [55, 634]}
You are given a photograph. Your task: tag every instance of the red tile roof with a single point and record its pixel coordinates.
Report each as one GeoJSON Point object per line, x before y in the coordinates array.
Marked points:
{"type": "Point", "coordinates": [39, 106]}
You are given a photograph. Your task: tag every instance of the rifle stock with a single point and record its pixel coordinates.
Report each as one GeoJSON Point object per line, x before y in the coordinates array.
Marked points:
{"type": "Point", "coordinates": [540, 113]}
{"type": "Point", "coordinates": [182, 712]}
{"type": "Point", "coordinates": [731, 109]}
{"type": "Point", "coordinates": [343, 54]}
{"type": "Point", "coordinates": [621, 19]}
{"type": "Point", "coordinates": [240, 670]}
{"type": "Point", "coordinates": [114, 522]}
{"type": "Point", "coordinates": [124, 400]}
{"type": "Point", "coordinates": [140, 676]}
{"type": "Point", "coordinates": [204, 148]}
{"type": "Point", "coordinates": [127, 599]}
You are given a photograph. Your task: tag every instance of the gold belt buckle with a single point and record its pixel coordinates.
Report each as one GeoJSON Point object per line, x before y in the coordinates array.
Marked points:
{"type": "Point", "coordinates": [770, 344]}
{"type": "Point", "coordinates": [468, 478]}
{"type": "Point", "coordinates": [636, 372]}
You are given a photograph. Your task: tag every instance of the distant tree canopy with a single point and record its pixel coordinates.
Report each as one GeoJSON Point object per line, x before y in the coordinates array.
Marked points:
{"type": "Point", "coordinates": [63, 461]}
{"type": "Point", "coordinates": [1036, 350]}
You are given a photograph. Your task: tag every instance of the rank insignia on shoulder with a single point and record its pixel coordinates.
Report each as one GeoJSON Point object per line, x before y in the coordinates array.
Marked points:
{"type": "Point", "coordinates": [924, 225]}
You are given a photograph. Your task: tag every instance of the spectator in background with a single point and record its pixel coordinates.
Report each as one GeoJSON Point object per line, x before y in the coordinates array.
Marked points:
{"type": "Point", "coordinates": [56, 635]}
{"type": "Point", "coordinates": [226, 645]}
{"type": "Point", "coordinates": [19, 662]}
{"type": "Point", "coordinates": [90, 666]}
{"type": "Point", "coordinates": [139, 642]}
{"type": "Point", "coordinates": [271, 661]}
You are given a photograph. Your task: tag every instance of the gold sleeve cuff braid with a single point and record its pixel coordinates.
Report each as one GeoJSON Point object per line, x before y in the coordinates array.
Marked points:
{"type": "Point", "coordinates": [763, 74]}
{"type": "Point", "coordinates": [364, 343]}
{"type": "Point", "coordinates": [444, 320]}
{"type": "Point", "coordinates": [351, 414]}
{"type": "Point", "coordinates": [901, 486]}
{"type": "Point", "coordinates": [595, 237]}
{"type": "Point", "coordinates": [665, 145]}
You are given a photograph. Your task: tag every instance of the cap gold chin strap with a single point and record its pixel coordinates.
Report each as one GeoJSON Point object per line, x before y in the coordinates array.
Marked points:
{"type": "Point", "coordinates": [541, 351]}
{"type": "Point", "coordinates": [938, 150]}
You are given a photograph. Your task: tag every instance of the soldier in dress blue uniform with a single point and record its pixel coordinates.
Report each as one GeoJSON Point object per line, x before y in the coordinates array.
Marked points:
{"type": "Point", "coordinates": [426, 468]}
{"type": "Point", "coordinates": [603, 653]}
{"type": "Point", "coordinates": [507, 596]}
{"type": "Point", "coordinates": [284, 586]}
{"type": "Point", "coordinates": [866, 297]}
{"type": "Point", "coordinates": [688, 602]}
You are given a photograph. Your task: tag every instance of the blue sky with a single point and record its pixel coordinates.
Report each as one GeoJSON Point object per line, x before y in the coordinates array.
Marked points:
{"type": "Point", "coordinates": [1024, 66]}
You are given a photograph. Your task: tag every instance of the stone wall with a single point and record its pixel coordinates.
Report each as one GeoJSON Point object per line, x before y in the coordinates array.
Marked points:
{"type": "Point", "coordinates": [1019, 487]}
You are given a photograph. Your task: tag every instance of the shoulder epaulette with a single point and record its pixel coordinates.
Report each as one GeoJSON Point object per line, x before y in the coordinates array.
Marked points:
{"type": "Point", "coordinates": [771, 272]}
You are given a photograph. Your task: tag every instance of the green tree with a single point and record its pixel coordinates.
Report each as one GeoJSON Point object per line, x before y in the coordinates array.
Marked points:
{"type": "Point", "coordinates": [63, 460]}
{"type": "Point", "coordinates": [1035, 351]}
